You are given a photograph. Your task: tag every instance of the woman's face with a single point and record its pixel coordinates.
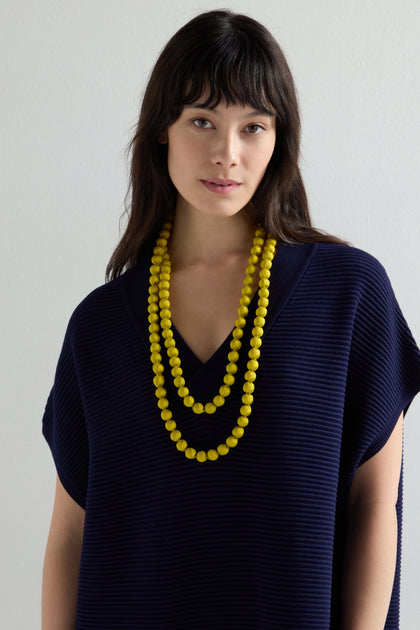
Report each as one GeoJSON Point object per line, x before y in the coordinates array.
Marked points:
{"type": "Point", "coordinates": [217, 157]}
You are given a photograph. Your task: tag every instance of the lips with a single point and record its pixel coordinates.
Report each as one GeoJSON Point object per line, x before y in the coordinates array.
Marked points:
{"type": "Point", "coordinates": [218, 185]}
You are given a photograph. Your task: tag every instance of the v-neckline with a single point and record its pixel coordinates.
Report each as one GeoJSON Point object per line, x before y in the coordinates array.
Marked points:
{"type": "Point", "coordinates": [289, 264]}
{"type": "Point", "coordinates": [181, 343]}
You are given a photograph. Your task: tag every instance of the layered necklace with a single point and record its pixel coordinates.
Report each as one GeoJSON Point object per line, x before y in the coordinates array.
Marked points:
{"type": "Point", "coordinates": [160, 324]}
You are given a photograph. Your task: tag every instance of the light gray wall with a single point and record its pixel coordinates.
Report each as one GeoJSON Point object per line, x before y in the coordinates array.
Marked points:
{"type": "Point", "coordinates": [72, 74]}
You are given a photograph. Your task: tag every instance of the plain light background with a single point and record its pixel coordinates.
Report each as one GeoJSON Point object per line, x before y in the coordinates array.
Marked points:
{"type": "Point", "coordinates": [72, 76]}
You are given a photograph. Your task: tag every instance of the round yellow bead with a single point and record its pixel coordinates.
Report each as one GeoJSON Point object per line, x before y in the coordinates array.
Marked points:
{"type": "Point", "coordinates": [183, 391]}
{"type": "Point", "coordinates": [255, 250]}
{"type": "Point", "coordinates": [188, 401]}
{"type": "Point", "coordinates": [154, 338]}
{"type": "Point", "coordinates": [157, 368]}
{"type": "Point", "coordinates": [164, 294]}
{"type": "Point", "coordinates": [165, 277]}
{"type": "Point", "coordinates": [266, 264]}
{"type": "Point", "coordinates": [233, 356]}
{"type": "Point", "coordinates": [245, 301]}
{"type": "Point", "coordinates": [228, 379]}
{"type": "Point", "coordinates": [181, 445]}
{"type": "Point", "coordinates": [245, 410]}
{"type": "Point", "coordinates": [263, 302]}
{"type": "Point", "coordinates": [260, 232]}
{"type": "Point", "coordinates": [259, 322]}
{"type": "Point", "coordinates": [261, 311]}
{"type": "Point", "coordinates": [161, 242]}
{"type": "Point", "coordinates": [170, 425]}
{"type": "Point", "coordinates": [165, 323]}
{"type": "Point", "coordinates": [264, 281]}
{"type": "Point", "coordinates": [224, 391]}
{"type": "Point", "coordinates": [212, 454]}
{"type": "Point", "coordinates": [231, 441]}
{"type": "Point", "coordinates": [242, 421]}
{"type": "Point", "coordinates": [153, 317]}
{"type": "Point", "coordinates": [164, 305]}
{"type": "Point", "coordinates": [243, 310]}
{"type": "Point", "coordinates": [163, 284]}
{"type": "Point", "coordinates": [237, 432]}
{"type": "Point", "coordinates": [237, 333]}
{"type": "Point", "coordinates": [201, 456]}
{"type": "Point", "coordinates": [257, 331]}
{"type": "Point", "coordinates": [258, 241]}
{"type": "Point", "coordinates": [210, 407]}
{"type": "Point", "coordinates": [248, 387]}
{"type": "Point", "coordinates": [223, 449]}
{"type": "Point", "coordinates": [231, 368]}
{"type": "Point", "coordinates": [158, 380]}
{"type": "Point", "coordinates": [240, 322]}
{"type": "Point", "coordinates": [179, 381]}
{"type": "Point", "coordinates": [246, 290]}
{"type": "Point", "coordinates": [248, 281]}
{"type": "Point", "coordinates": [271, 240]}
{"type": "Point", "coordinates": [250, 376]}
{"type": "Point", "coordinates": [163, 403]}
{"type": "Point", "coordinates": [190, 453]}
{"type": "Point", "coordinates": [253, 259]}
{"type": "Point", "coordinates": [176, 371]}
{"type": "Point", "coordinates": [219, 401]}
{"type": "Point", "coordinates": [173, 351]}
{"type": "Point", "coordinates": [155, 347]}
{"type": "Point", "coordinates": [165, 313]}
{"type": "Point", "coordinates": [156, 357]}
{"type": "Point", "coordinates": [254, 353]}
{"type": "Point", "coordinates": [166, 414]}
{"type": "Point", "coordinates": [263, 292]}
{"type": "Point", "coordinates": [255, 342]}
{"type": "Point", "coordinates": [247, 399]}
{"type": "Point", "coordinates": [252, 365]}
{"type": "Point", "coordinates": [174, 361]}
{"type": "Point", "coordinates": [175, 435]}
{"type": "Point", "coordinates": [198, 408]}
{"type": "Point", "coordinates": [236, 344]}
{"type": "Point", "coordinates": [167, 334]}
{"type": "Point", "coordinates": [154, 269]}
{"type": "Point", "coordinates": [169, 343]}
{"type": "Point", "coordinates": [250, 270]}
{"type": "Point", "coordinates": [156, 260]}
{"type": "Point", "coordinates": [152, 308]}
{"type": "Point", "coordinates": [160, 392]}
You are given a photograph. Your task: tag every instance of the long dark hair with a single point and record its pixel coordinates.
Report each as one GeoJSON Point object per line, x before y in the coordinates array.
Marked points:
{"type": "Point", "coordinates": [226, 56]}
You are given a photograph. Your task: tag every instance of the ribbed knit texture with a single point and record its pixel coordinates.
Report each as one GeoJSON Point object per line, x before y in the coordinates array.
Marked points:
{"type": "Point", "coordinates": [253, 541]}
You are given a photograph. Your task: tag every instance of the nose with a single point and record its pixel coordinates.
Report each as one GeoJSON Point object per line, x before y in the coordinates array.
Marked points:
{"type": "Point", "coordinates": [225, 150]}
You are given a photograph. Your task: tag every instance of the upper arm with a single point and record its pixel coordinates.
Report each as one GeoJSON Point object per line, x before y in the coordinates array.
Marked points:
{"type": "Point", "coordinates": [68, 517]}
{"type": "Point", "coordinates": [377, 479]}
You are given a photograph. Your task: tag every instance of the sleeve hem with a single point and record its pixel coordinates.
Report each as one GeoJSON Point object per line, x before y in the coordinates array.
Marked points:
{"type": "Point", "coordinates": [68, 484]}
{"type": "Point", "coordinates": [402, 406]}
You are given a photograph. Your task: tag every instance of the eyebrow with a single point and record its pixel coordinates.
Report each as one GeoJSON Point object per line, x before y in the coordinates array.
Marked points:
{"type": "Point", "coordinates": [255, 112]}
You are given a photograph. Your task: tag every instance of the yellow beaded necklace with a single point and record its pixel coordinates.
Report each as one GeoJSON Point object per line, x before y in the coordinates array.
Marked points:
{"type": "Point", "coordinates": [159, 311]}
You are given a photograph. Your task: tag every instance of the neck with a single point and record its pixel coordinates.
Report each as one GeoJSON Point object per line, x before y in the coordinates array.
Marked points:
{"type": "Point", "coordinates": [197, 238]}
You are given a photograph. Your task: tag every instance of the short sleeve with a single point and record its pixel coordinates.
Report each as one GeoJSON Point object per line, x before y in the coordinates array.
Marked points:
{"type": "Point", "coordinates": [384, 365]}
{"type": "Point", "coordinates": [64, 426]}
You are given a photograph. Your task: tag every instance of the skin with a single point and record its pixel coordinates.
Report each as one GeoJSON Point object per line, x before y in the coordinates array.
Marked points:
{"type": "Point", "coordinates": [209, 249]}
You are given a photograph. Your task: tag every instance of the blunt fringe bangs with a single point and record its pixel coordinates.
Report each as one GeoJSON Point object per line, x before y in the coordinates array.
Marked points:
{"type": "Point", "coordinates": [217, 56]}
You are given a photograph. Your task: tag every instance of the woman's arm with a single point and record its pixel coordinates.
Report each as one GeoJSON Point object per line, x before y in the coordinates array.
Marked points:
{"type": "Point", "coordinates": [62, 563]}
{"type": "Point", "coordinates": [372, 538]}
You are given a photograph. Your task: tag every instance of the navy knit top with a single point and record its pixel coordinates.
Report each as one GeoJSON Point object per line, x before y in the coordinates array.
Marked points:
{"type": "Point", "coordinates": [253, 541]}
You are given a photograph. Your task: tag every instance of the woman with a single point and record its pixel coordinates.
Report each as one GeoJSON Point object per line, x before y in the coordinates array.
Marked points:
{"type": "Point", "coordinates": [219, 478]}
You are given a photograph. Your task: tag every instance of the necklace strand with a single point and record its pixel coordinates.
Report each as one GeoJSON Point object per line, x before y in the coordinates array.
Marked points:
{"type": "Point", "coordinates": [159, 296]}
{"type": "Point", "coordinates": [237, 333]}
